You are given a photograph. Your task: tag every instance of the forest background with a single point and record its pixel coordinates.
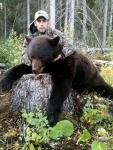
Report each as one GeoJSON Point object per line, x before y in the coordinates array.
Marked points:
{"type": "Point", "coordinates": [88, 22]}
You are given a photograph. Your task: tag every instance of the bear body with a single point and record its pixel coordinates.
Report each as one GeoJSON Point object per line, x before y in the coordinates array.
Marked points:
{"type": "Point", "coordinates": [75, 71]}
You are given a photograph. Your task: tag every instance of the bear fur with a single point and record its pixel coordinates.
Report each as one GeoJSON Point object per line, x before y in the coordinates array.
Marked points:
{"type": "Point", "coordinates": [74, 71]}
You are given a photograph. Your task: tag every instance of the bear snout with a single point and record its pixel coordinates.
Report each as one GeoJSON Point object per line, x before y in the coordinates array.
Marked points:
{"type": "Point", "coordinates": [37, 66]}
{"type": "Point", "coordinates": [37, 70]}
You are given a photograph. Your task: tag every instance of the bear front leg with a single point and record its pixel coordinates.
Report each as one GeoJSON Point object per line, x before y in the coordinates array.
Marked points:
{"type": "Point", "coordinates": [12, 75]}
{"type": "Point", "coordinates": [60, 91]}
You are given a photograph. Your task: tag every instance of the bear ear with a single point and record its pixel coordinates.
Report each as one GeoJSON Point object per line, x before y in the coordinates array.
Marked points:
{"type": "Point", "coordinates": [54, 41]}
{"type": "Point", "coordinates": [28, 38]}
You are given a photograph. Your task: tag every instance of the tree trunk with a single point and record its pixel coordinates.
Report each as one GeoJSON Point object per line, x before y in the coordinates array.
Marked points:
{"type": "Point", "coordinates": [84, 21]}
{"type": "Point", "coordinates": [66, 17]}
{"type": "Point", "coordinates": [60, 20]}
{"type": "Point", "coordinates": [77, 4]}
{"type": "Point", "coordinates": [111, 17]}
{"type": "Point", "coordinates": [28, 14]}
{"type": "Point", "coordinates": [72, 19]}
{"type": "Point", "coordinates": [52, 13]}
{"type": "Point", "coordinates": [5, 24]}
{"type": "Point", "coordinates": [105, 24]}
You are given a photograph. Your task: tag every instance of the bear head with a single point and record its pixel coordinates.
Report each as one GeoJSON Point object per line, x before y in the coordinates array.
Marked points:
{"type": "Point", "coordinates": [42, 50]}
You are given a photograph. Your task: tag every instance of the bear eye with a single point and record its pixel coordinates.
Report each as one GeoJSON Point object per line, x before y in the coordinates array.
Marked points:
{"type": "Point", "coordinates": [31, 57]}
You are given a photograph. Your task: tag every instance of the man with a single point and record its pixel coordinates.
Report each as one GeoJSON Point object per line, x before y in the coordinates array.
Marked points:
{"type": "Point", "coordinates": [40, 26]}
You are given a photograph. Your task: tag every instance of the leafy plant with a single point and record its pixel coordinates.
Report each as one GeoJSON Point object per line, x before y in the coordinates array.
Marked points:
{"type": "Point", "coordinates": [91, 116]}
{"type": "Point", "coordinates": [38, 128]}
{"type": "Point", "coordinates": [98, 145]}
{"type": "Point", "coordinates": [63, 128]}
{"type": "Point", "coordinates": [85, 136]}
{"type": "Point", "coordinates": [38, 131]}
{"type": "Point", "coordinates": [10, 50]}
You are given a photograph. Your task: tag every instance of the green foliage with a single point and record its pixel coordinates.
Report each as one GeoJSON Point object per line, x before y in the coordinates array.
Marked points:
{"type": "Point", "coordinates": [31, 147]}
{"type": "Point", "coordinates": [10, 50]}
{"type": "Point", "coordinates": [38, 131]}
{"type": "Point", "coordinates": [92, 116]}
{"type": "Point", "coordinates": [85, 136]}
{"type": "Point", "coordinates": [63, 128]}
{"type": "Point", "coordinates": [94, 111]}
{"type": "Point", "coordinates": [97, 145]}
{"type": "Point", "coordinates": [99, 122]}
{"type": "Point", "coordinates": [38, 128]}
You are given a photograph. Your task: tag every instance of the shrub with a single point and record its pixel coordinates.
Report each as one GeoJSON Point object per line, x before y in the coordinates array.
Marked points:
{"type": "Point", "coordinates": [10, 50]}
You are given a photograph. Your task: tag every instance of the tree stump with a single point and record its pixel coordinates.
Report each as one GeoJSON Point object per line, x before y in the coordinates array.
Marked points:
{"type": "Point", "coordinates": [32, 92]}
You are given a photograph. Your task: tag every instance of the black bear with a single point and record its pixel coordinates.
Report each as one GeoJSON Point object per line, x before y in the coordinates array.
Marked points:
{"type": "Point", "coordinates": [75, 71]}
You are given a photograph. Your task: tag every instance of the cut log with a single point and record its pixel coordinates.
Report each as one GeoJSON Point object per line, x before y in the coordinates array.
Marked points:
{"type": "Point", "coordinates": [32, 92]}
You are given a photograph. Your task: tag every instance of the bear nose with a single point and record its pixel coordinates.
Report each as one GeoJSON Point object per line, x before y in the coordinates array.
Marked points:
{"type": "Point", "coordinates": [37, 70]}
{"type": "Point", "coordinates": [34, 72]}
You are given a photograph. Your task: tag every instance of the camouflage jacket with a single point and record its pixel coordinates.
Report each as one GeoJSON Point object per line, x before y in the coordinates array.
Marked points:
{"type": "Point", "coordinates": [68, 47]}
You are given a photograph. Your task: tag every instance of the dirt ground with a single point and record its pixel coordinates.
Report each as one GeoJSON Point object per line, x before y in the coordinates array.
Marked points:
{"type": "Point", "coordinates": [4, 102]}
{"type": "Point", "coordinates": [5, 115]}
{"type": "Point", "coordinates": [4, 111]}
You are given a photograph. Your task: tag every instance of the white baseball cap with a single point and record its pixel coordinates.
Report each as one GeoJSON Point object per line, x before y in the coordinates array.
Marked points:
{"type": "Point", "coordinates": [41, 13]}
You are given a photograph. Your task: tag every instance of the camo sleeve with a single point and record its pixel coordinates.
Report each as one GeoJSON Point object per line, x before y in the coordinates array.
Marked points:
{"type": "Point", "coordinates": [24, 58]}
{"type": "Point", "coordinates": [68, 47]}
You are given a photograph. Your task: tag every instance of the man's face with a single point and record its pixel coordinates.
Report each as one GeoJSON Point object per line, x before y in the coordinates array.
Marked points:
{"type": "Point", "coordinates": [41, 23]}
